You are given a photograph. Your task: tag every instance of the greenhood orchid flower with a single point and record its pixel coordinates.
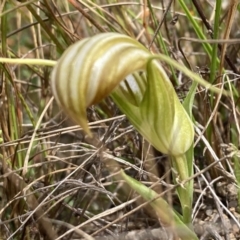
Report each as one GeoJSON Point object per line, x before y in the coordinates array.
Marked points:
{"type": "Point", "coordinates": [117, 65]}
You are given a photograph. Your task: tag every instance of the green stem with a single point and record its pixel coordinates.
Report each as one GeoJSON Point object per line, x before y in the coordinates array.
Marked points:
{"type": "Point", "coordinates": [196, 27]}
{"type": "Point", "coordinates": [214, 58]}
{"type": "Point", "coordinates": [185, 192]}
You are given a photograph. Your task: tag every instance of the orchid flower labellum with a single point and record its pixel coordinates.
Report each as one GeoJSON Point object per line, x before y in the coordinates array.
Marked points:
{"type": "Point", "coordinates": [117, 65]}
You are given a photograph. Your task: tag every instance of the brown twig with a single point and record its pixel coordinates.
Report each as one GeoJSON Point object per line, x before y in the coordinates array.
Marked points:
{"type": "Point", "coordinates": [231, 13]}
{"type": "Point", "coordinates": [16, 182]}
{"type": "Point", "coordinates": [86, 15]}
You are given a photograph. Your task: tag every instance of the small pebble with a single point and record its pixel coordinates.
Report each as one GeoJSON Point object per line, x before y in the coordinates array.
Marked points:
{"type": "Point", "coordinates": [209, 212]}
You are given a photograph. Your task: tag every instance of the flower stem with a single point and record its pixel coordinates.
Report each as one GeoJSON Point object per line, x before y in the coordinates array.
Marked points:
{"type": "Point", "coordinates": [185, 191]}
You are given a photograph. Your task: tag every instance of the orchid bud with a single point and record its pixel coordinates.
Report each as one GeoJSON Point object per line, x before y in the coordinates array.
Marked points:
{"type": "Point", "coordinates": [117, 65]}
